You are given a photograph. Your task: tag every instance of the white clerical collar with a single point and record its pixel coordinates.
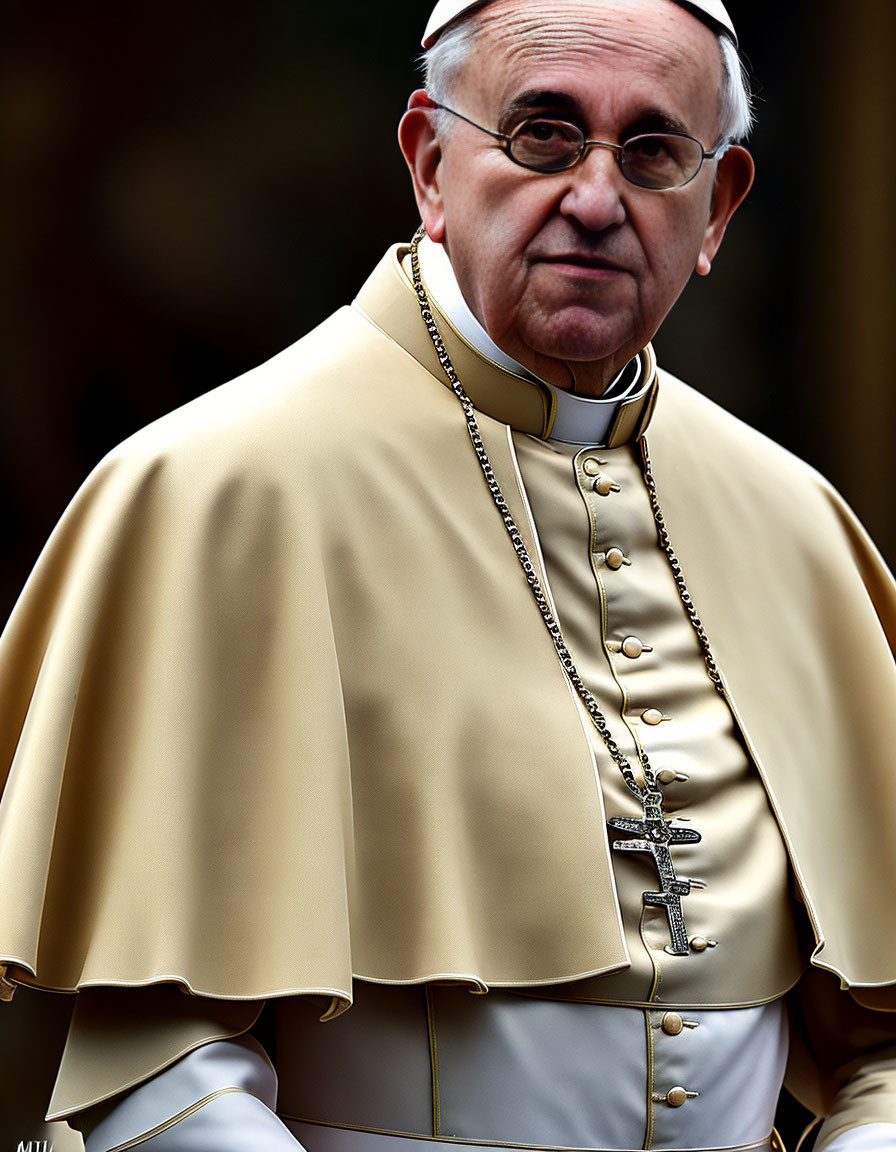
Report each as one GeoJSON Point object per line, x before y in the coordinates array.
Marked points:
{"type": "Point", "coordinates": [578, 419]}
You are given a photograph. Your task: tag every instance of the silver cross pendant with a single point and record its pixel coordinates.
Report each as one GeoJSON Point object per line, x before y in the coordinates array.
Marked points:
{"type": "Point", "coordinates": [656, 835]}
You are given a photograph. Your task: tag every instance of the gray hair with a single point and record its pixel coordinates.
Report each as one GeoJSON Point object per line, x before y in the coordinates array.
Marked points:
{"type": "Point", "coordinates": [443, 63]}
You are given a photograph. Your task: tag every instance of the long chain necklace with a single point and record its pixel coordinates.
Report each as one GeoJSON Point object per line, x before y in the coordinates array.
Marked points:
{"type": "Point", "coordinates": [652, 833]}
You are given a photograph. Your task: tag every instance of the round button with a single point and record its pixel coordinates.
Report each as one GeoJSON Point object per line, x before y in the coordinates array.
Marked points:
{"type": "Point", "coordinates": [591, 466]}
{"type": "Point", "coordinates": [603, 486]}
{"type": "Point", "coordinates": [652, 716]}
{"type": "Point", "coordinates": [699, 943]}
{"type": "Point", "coordinates": [632, 647]}
{"type": "Point", "coordinates": [676, 1097]}
{"type": "Point", "coordinates": [672, 1024]}
{"type": "Point", "coordinates": [666, 776]}
{"type": "Point", "coordinates": [615, 558]}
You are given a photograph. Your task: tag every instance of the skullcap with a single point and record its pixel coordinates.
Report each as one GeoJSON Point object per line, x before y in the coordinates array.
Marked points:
{"type": "Point", "coordinates": [711, 12]}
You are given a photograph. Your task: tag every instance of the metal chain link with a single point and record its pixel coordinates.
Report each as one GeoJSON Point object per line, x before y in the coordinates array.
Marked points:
{"type": "Point", "coordinates": [662, 535]}
{"type": "Point", "coordinates": [516, 539]}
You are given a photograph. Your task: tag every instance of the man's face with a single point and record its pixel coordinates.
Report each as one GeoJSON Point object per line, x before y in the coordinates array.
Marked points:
{"type": "Point", "coordinates": [575, 270]}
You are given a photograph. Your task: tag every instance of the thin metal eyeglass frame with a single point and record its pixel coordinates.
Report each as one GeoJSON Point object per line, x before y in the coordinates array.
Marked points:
{"type": "Point", "coordinates": [505, 143]}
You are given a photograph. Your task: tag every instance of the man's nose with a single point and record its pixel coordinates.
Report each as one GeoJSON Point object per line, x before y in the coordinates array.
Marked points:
{"type": "Point", "coordinates": [594, 196]}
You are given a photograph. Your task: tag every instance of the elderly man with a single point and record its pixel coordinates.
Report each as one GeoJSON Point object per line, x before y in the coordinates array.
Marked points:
{"type": "Point", "coordinates": [456, 730]}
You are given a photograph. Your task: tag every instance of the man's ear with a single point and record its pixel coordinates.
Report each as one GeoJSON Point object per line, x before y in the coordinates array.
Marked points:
{"type": "Point", "coordinates": [422, 151]}
{"type": "Point", "coordinates": [733, 181]}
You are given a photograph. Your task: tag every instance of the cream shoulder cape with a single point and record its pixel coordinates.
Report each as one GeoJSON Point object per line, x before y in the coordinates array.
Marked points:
{"type": "Point", "coordinates": [277, 708]}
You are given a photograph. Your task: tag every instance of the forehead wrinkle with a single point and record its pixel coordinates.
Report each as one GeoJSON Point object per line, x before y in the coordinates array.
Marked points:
{"type": "Point", "coordinates": [543, 34]}
{"type": "Point", "coordinates": [532, 34]}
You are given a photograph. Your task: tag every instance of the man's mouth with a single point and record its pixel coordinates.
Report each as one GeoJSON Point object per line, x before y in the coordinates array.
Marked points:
{"type": "Point", "coordinates": [582, 263]}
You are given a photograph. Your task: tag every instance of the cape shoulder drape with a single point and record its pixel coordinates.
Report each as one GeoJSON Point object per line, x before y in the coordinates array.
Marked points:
{"type": "Point", "coordinates": [276, 707]}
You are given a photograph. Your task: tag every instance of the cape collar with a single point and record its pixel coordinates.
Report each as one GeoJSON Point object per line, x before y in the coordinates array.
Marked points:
{"type": "Point", "coordinates": [498, 385]}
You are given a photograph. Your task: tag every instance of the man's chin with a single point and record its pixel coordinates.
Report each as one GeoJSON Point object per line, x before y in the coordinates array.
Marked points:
{"type": "Point", "coordinates": [570, 341]}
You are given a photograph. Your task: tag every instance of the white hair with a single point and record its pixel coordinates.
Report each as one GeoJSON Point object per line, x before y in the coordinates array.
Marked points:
{"type": "Point", "coordinates": [736, 98]}
{"type": "Point", "coordinates": [444, 61]}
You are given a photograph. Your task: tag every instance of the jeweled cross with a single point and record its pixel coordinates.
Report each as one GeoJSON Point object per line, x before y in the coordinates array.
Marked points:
{"type": "Point", "coordinates": [656, 835]}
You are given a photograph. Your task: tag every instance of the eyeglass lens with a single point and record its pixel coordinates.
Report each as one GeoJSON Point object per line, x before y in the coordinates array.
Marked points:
{"type": "Point", "coordinates": [654, 160]}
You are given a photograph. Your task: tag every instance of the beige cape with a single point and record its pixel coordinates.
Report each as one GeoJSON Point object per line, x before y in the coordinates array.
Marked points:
{"type": "Point", "coordinates": [278, 709]}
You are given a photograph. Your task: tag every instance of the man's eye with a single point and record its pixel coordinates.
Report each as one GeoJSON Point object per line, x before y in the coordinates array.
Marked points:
{"type": "Point", "coordinates": [541, 130]}
{"type": "Point", "coordinates": [649, 148]}
{"type": "Point", "coordinates": [546, 145]}
{"type": "Point", "coordinates": [547, 131]}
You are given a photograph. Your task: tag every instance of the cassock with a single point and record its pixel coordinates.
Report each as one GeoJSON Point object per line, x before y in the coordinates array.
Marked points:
{"type": "Point", "coordinates": [288, 739]}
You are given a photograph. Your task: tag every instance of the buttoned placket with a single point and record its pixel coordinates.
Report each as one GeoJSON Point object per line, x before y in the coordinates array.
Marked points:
{"type": "Point", "coordinates": [611, 511]}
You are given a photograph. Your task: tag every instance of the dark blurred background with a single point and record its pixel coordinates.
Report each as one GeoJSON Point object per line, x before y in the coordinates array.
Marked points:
{"type": "Point", "coordinates": [189, 187]}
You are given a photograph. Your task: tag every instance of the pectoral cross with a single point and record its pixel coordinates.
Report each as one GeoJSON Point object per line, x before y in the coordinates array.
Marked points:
{"type": "Point", "coordinates": [656, 836]}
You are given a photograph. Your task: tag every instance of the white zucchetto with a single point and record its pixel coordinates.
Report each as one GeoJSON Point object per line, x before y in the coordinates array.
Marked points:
{"type": "Point", "coordinates": [711, 12]}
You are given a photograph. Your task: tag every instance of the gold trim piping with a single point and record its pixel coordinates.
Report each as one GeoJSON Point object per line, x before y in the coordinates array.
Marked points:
{"type": "Point", "coordinates": [658, 1005]}
{"type": "Point", "coordinates": [650, 1108]}
{"type": "Point", "coordinates": [171, 978]}
{"type": "Point", "coordinates": [756, 1146]}
{"type": "Point", "coordinates": [433, 1062]}
{"type": "Point", "coordinates": [182, 1115]}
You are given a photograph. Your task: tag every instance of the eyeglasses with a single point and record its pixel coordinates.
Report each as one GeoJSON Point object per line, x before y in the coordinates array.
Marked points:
{"type": "Point", "coordinates": [660, 161]}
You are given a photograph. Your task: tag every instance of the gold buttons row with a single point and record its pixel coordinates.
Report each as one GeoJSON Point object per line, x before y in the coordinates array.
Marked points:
{"type": "Point", "coordinates": [602, 484]}
{"type": "Point", "coordinates": [673, 1024]}
{"type": "Point", "coordinates": [632, 647]}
